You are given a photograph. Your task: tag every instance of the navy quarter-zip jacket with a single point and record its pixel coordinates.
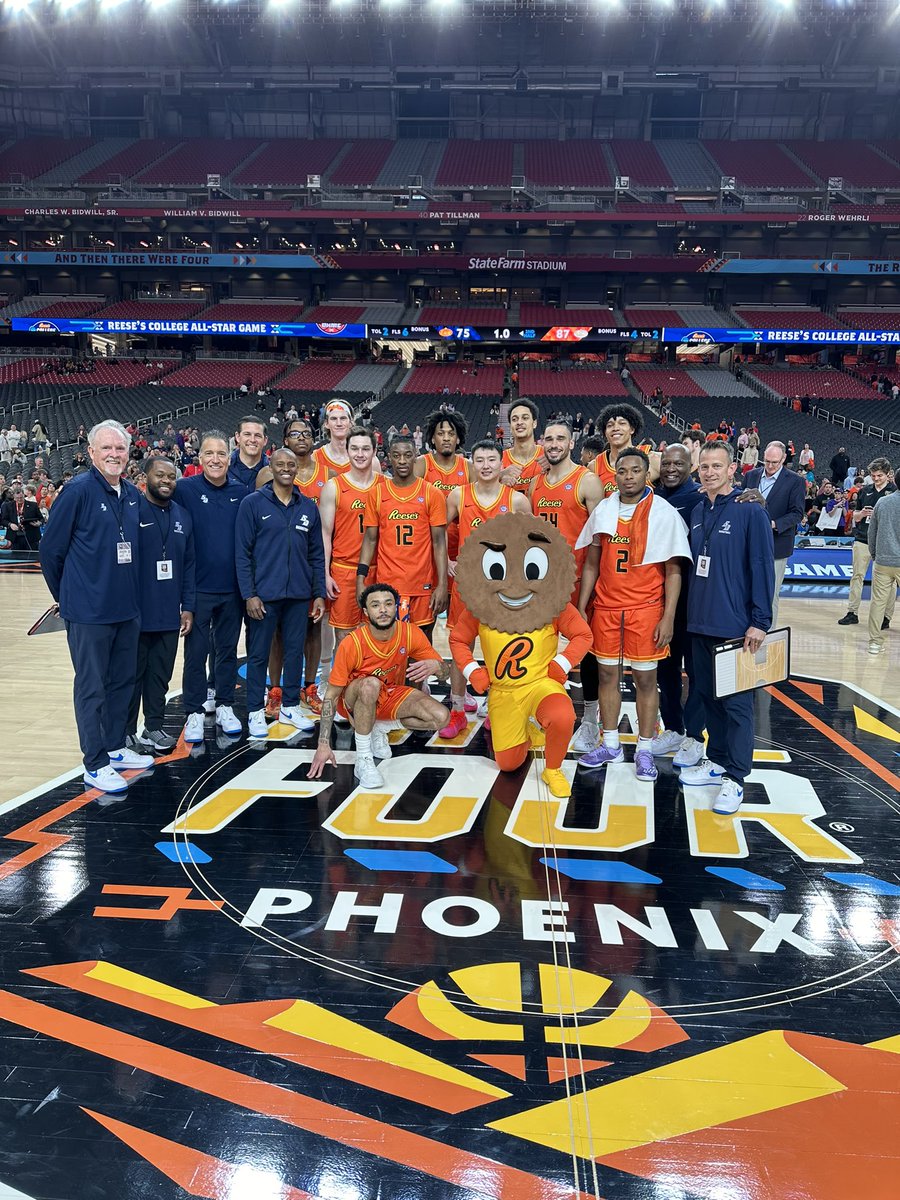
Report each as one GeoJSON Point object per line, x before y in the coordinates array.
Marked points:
{"type": "Point", "coordinates": [737, 592]}
{"type": "Point", "coordinates": [164, 600]}
{"type": "Point", "coordinates": [78, 551]}
{"type": "Point", "coordinates": [213, 511]}
{"type": "Point", "coordinates": [278, 547]}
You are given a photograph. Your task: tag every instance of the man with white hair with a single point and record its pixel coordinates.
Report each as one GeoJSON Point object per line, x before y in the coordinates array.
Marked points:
{"type": "Point", "coordinates": [784, 493]}
{"type": "Point", "coordinates": [89, 557]}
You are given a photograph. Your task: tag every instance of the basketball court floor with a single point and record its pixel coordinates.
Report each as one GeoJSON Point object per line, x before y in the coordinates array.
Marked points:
{"type": "Point", "coordinates": [237, 984]}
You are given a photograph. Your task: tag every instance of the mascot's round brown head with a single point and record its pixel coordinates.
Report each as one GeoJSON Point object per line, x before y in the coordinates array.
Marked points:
{"type": "Point", "coordinates": [515, 573]}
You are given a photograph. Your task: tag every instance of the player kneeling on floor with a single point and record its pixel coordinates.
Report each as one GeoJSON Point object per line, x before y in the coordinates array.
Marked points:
{"type": "Point", "coordinates": [375, 682]}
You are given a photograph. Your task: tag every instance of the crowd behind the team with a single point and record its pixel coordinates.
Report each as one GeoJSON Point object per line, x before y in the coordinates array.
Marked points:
{"type": "Point", "coordinates": [345, 554]}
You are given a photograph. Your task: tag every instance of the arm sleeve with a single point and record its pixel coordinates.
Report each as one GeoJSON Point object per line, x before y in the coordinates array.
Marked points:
{"type": "Point", "coordinates": [189, 583]}
{"type": "Point", "coordinates": [462, 638]}
{"type": "Point", "coordinates": [573, 626]}
{"type": "Point", "coordinates": [317, 555]}
{"type": "Point", "coordinates": [794, 513]}
{"type": "Point", "coordinates": [761, 566]}
{"type": "Point", "coordinates": [437, 506]}
{"type": "Point", "coordinates": [57, 536]}
{"type": "Point", "coordinates": [244, 538]}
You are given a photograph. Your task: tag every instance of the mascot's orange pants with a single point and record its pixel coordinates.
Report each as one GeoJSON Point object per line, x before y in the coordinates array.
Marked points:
{"type": "Point", "coordinates": [556, 717]}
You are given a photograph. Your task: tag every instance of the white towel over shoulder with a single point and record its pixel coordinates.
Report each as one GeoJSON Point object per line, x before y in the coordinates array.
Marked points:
{"type": "Point", "coordinates": [666, 536]}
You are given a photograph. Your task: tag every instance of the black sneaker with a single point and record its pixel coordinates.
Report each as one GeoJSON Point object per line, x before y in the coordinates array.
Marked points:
{"type": "Point", "coordinates": [158, 740]}
{"type": "Point", "coordinates": [849, 619]}
{"type": "Point", "coordinates": [886, 623]}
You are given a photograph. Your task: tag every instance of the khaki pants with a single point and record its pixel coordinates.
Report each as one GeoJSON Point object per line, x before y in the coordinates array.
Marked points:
{"type": "Point", "coordinates": [861, 560]}
{"type": "Point", "coordinates": [884, 594]}
{"type": "Point", "coordinates": [780, 565]}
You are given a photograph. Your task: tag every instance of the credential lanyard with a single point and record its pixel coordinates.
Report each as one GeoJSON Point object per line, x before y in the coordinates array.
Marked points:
{"type": "Point", "coordinates": [712, 527]}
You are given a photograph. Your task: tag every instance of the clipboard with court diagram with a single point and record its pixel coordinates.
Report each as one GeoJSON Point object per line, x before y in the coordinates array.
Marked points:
{"type": "Point", "coordinates": [739, 671]}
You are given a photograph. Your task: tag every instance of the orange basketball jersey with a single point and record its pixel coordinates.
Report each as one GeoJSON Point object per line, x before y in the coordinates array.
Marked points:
{"type": "Point", "coordinates": [622, 584]}
{"type": "Point", "coordinates": [606, 471]}
{"type": "Point", "coordinates": [312, 489]}
{"type": "Point", "coordinates": [322, 456]}
{"type": "Point", "coordinates": [559, 504]}
{"type": "Point", "coordinates": [349, 521]}
{"type": "Point", "coordinates": [404, 519]}
{"type": "Point", "coordinates": [360, 655]}
{"type": "Point", "coordinates": [446, 481]}
{"type": "Point", "coordinates": [472, 513]}
{"type": "Point", "coordinates": [527, 471]}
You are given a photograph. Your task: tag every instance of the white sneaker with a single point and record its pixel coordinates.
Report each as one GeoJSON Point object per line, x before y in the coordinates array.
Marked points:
{"type": "Point", "coordinates": [106, 779]}
{"type": "Point", "coordinates": [876, 647]}
{"type": "Point", "coordinates": [194, 728]}
{"type": "Point", "coordinates": [256, 725]}
{"type": "Point", "coordinates": [705, 772]}
{"type": "Point", "coordinates": [130, 760]}
{"type": "Point", "coordinates": [293, 716]}
{"type": "Point", "coordinates": [690, 754]}
{"type": "Point", "coordinates": [666, 743]}
{"type": "Point", "coordinates": [587, 738]}
{"type": "Point", "coordinates": [227, 721]}
{"type": "Point", "coordinates": [729, 799]}
{"type": "Point", "coordinates": [367, 773]}
{"type": "Point", "coordinates": [381, 746]}
{"type": "Point", "coordinates": [209, 704]}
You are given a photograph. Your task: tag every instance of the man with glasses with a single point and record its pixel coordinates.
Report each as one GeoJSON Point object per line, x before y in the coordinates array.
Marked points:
{"type": "Point", "coordinates": [785, 494]}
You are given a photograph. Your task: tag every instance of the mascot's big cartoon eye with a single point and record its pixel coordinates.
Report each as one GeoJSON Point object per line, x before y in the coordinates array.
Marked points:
{"type": "Point", "coordinates": [536, 563]}
{"type": "Point", "coordinates": [493, 563]}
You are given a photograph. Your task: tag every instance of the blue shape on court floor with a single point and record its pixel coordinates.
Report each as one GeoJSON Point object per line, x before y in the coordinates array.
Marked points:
{"type": "Point", "coordinates": [746, 879]}
{"type": "Point", "coordinates": [185, 852]}
{"type": "Point", "coordinates": [603, 870]}
{"type": "Point", "coordinates": [401, 860]}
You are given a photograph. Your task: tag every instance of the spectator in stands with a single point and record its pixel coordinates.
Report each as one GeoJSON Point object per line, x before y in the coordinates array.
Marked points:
{"type": "Point", "coordinates": [15, 438]}
{"type": "Point", "coordinates": [839, 467]}
{"type": "Point", "coordinates": [749, 458]}
{"type": "Point", "coordinates": [831, 512]}
{"type": "Point", "coordinates": [40, 439]}
{"type": "Point", "coordinates": [22, 518]}
{"type": "Point", "coordinates": [246, 385]}
{"type": "Point", "coordinates": [791, 454]}
{"type": "Point", "coordinates": [742, 440]}
{"type": "Point", "coordinates": [418, 438]}
{"type": "Point", "coordinates": [213, 499]}
{"type": "Point", "coordinates": [248, 460]}
{"type": "Point", "coordinates": [884, 546]}
{"type": "Point", "coordinates": [784, 494]}
{"type": "Point", "coordinates": [89, 557]}
{"type": "Point", "coordinates": [5, 451]}
{"type": "Point", "coordinates": [864, 504]}
{"type": "Point", "coordinates": [577, 424]}
{"type": "Point", "coordinates": [807, 459]}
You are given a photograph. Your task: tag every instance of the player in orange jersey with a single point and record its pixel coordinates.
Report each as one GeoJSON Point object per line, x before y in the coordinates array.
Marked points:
{"type": "Point", "coordinates": [370, 684]}
{"type": "Point", "coordinates": [343, 509]}
{"type": "Point", "coordinates": [636, 542]}
{"type": "Point", "coordinates": [310, 480]}
{"type": "Point", "coordinates": [406, 524]}
{"type": "Point", "coordinates": [338, 422]}
{"type": "Point", "coordinates": [523, 459]}
{"type": "Point", "coordinates": [467, 508]}
{"type": "Point", "coordinates": [443, 466]}
{"type": "Point", "coordinates": [564, 494]}
{"type": "Point", "coordinates": [621, 425]}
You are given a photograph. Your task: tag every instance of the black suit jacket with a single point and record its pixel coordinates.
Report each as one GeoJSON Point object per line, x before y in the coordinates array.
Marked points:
{"type": "Point", "coordinates": [784, 506]}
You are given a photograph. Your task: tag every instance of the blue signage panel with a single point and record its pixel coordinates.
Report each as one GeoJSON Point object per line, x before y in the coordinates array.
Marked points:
{"type": "Point", "coordinates": [823, 564]}
{"type": "Point", "coordinates": [155, 326]}
{"type": "Point", "coordinates": [784, 337]}
{"type": "Point", "coordinates": [162, 258]}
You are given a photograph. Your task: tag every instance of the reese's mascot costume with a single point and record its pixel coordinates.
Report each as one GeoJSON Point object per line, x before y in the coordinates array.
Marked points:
{"type": "Point", "coordinates": [515, 574]}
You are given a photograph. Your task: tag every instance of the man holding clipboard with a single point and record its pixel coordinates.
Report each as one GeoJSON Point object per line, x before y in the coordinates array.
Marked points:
{"type": "Point", "coordinates": [730, 598]}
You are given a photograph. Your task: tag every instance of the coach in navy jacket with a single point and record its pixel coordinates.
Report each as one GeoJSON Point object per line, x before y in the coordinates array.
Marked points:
{"type": "Point", "coordinates": [280, 563]}
{"type": "Point", "coordinates": [212, 499]}
{"type": "Point", "coordinates": [784, 493]}
{"type": "Point", "coordinates": [167, 598]}
{"type": "Point", "coordinates": [90, 560]}
{"type": "Point", "coordinates": [730, 597]}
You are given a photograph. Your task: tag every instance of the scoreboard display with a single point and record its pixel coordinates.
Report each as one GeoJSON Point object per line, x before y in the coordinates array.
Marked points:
{"type": "Point", "coordinates": [513, 335]}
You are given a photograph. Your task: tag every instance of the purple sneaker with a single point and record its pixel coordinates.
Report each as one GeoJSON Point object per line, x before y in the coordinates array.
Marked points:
{"type": "Point", "coordinates": [601, 756]}
{"type": "Point", "coordinates": [644, 766]}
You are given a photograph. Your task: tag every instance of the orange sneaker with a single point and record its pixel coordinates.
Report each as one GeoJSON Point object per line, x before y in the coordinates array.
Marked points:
{"type": "Point", "coordinates": [455, 726]}
{"type": "Point", "coordinates": [273, 702]}
{"type": "Point", "coordinates": [311, 698]}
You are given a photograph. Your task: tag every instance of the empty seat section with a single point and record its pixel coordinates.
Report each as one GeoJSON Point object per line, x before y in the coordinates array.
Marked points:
{"type": "Point", "coordinates": [194, 160]}
{"type": "Point", "coordinates": [466, 378]}
{"type": "Point", "coordinates": [336, 314]}
{"type": "Point", "coordinates": [854, 161]}
{"type": "Point", "coordinates": [35, 156]}
{"type": "Point", "coordinates": [20, 368]}
{"type": "Point", "coordinates": [758, 163]}
{"type": "Point", "coordinates": [476, 164]}
{"type": "Point", "coordinates": [318, 375]}
{"type": "Point", "coordinates": [689, 165]}
{"type": "Point", "coordinates": [655, 317]}
{"type": "Point", "coordinates": [866, 319]}
{"type": "Point", "coordinates": [573, 381]}
{"type": "Point", "coordinates": [405, 159]}
{"type": "Point", "coordinates": [436, 315]}
{"type": "Point", "coordinates": [545, 314]}
{"type": "Point", "coordinates": [786, 318]}
{"type": "Point", "coordinates": [674, 381]}
{"type": "Point", "coordinates": [368, 377]}
{"type": "Point", "coordinates": [69, 308]}
{"type": "Point", "coordinates": [131, 161]}
{"type": "Point", "coordinates": [716, 381]}
{"type": "Point", "coordinates": [825, 384]}
{"type": "Point", "coordinates": [289, 161]}
{"type": "Point", "coordinates": [162, 310]}
{"type": "Point", "coordinates": [567, 164]}
{"type": "Point", "coordinates": [218, 373]}
{"type": "Point", "coordinates": [238, 310]}
{"type": "Point", "coordinates": [641, 162]}
{"type": "Point", "coordinates": [362, 163]}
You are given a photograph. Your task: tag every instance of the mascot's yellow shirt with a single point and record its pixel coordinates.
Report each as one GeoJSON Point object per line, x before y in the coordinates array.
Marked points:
{"type": "Point", "coordinates": [518, 659]}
